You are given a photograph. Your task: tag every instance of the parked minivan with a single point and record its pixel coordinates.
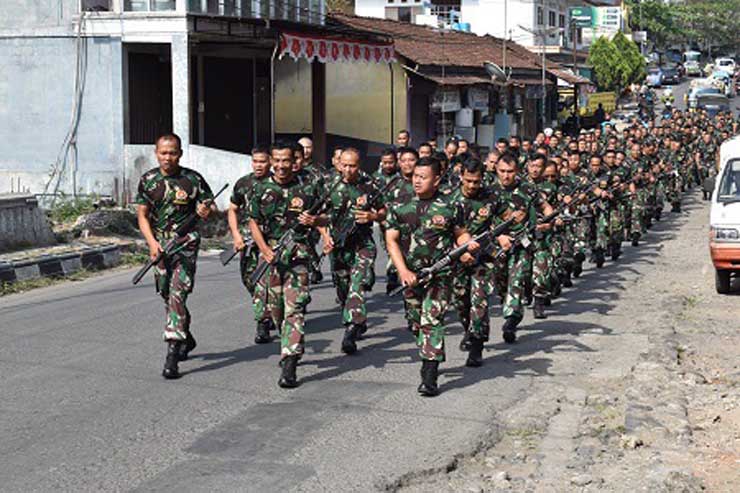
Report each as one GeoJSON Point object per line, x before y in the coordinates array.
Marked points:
{"type": "Point", "coordinates": [724, 217]}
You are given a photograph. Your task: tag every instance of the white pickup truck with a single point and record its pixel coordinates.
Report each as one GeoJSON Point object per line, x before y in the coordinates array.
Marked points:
{"type": "Point", "coordinates": [724, 217]}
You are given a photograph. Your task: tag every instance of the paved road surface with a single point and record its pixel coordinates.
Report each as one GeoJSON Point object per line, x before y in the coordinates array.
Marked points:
{"type": "Point", "coordinates": [85, 409]}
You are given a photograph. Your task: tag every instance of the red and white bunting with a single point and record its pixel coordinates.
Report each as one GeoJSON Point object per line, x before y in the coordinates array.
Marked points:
{"type": "Point", "coordinates": [332, 50]}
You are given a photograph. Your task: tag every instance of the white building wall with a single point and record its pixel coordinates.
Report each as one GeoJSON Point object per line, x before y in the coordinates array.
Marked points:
{"type": "Point", "coordinates": [371, 8]}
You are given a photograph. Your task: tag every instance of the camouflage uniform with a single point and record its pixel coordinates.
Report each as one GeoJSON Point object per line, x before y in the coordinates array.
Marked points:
{"type": "Point", "coordinates": [240, 197]}
{"type": "Point", "coordinates": [401, 193]}
{"type": "Point", "coordinates": [171, 200]}
{"type": "Point", "coordinates": [473, 285]}
{"type": "Point", "coordinates": [353, 262]}
{"type": "Point", "coordinates": [513, 267]}
{"type": "Point", "coordinates": [284, 288]}
{"type": "Point", "coordinates": [429, 225]}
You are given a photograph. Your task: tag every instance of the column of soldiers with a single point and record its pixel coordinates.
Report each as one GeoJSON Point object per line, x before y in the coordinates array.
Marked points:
{"type": "Point", "coordinates": [458, 227]}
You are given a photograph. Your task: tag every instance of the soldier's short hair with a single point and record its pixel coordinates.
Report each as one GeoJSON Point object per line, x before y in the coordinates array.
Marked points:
{"type": "Point", "coordinates": [281, 145]}
{"type": "Point", "coordinates": [502, 140]}
{"type": "Point", "coordinates": [426, 144]}
{"type": "Point", "coordinates": [388, 151]}
{"type": "Point", "coordinates": [441, 157]}
{"type": "Point", "coordinates": [539, 157]}
{"type": "Point", "coordinates": [472, 166]}
{"type": "Point", "coordinates": [260, 149]}
{"type": "Point", "coordinates": [298, 148]}
{"type": "Point", "coordinates": [172, 137]}
{"type": "Point", "coordinates": [451, 140]}
{"type": "Point", "coordinates": [408, 150]}
{"type": "Point", "coordinates": [352, 150]}
{"type": "Point", "coordinates": [431, 163]}
{"type": "Point", "coordinates": [509, 159]}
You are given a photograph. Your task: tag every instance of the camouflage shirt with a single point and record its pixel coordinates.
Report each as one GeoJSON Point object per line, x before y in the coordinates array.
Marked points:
{"type": "Point", "coordinates": [343, 200]}
{"type": "Point", "coordinates": [402, 192]}
{"type": "Point", "coordinates": [276, 208]}
{"type": "Point", "coordinates": [241, 196]}
{"type": "Point", "coordinates": [382, 179]}
{"type": "Point", "coordinates": [518, 197]}
{"type": "Point", "coordinates": [172, 199]}
{"type": "Point", "coordinates": [429, 227]}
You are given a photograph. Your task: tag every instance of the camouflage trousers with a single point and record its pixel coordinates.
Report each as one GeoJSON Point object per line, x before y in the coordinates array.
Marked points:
{"type": "Point", "coordinates": [659, 195]}
{"type": "Point", "coordinates": [542, 266]}
{"type": "Point", "coordinates": [284, 291]}
{"type": "Point", "coordinates": [510, 278]}
{"type": "Point", "coordinates": [174, 277]}
{"type": "Point", "coordinates": [425, 310]}
{"type": "Point", "coordinates": [673, 190]}
{"type": "Point", "coordinates": [576, 238]}
{"type": "Point", "coordinates": [637, 211]}
{"type": "Point", "coordinates": [352, 269]}
{"type": "Point", "coordinates": [616, 224]}
{"type": "Point", "coordinates": [601, 227]}
{"type": "Point", "coordinates": [472, 288]}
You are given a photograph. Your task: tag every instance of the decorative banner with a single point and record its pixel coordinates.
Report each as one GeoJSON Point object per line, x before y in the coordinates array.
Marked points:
{"type": "Point", "coordinates": [327, 50]}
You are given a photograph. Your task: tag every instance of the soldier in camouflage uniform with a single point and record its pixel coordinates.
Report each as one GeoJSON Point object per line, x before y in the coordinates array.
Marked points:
{"type": "Point", "coordinates": [238, 218]}
{"type": "Point", "coordinates": [640, 178]}
{"type": "Point", "coordinates": [472, 283]}
{"type": "Point", "coordinates": [598, 176]}
{"type": "Point", "coordinates": [514, 197]}
{"type": "Point", "coordinates": [541, 273]}
{"type": "Point", "coordinates": [402, 193]}
{"type": "Point", "coordinates": [278, 205]}
{"type": "Point", "coordinates": [433, 225]}
{"type": "Point", "coordinates": [577, 229]}
{"type": "Point", "coordinates": [353, 257]}
{"type": "Point", "coordinates": [167, 196]}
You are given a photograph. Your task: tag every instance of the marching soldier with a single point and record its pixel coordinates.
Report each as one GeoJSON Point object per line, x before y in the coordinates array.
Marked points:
{"type": "Point", "coordinates": [167, 196]}
{"type": "Point", "coordinates": [238, 218]}
{"type": "Point", "coordinates": [278, 205]}
{"type": "Point", "coordinates": [434, 225]}
{"type": "Point", "coordinates": [351, 244]}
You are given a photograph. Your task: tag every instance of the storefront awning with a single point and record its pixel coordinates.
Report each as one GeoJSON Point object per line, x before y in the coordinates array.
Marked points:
{"type": "Point", "coordinates": [333, 50]}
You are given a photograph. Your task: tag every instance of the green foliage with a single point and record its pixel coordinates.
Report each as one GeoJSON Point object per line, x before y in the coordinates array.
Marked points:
{"type": "Point", "coordinates": [707, 22]}
{"type": "Point", "coordinates": [606, 62]}
{"type": "Point", "coordinates": [633, 64]}
{"type": "Point", "coordinates": [67, 210]}
{"type": "Point", "coordinates": [617, 63]}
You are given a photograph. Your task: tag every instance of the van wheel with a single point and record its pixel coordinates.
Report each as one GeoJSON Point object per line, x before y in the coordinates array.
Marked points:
{"type": "Point", "coordinates": [722, 281]}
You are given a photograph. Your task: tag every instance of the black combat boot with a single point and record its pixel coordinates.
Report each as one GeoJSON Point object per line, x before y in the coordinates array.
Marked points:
{"type": "Point", "coordinates": [548, 301]}
{"type": "Point", "coordinates": [578, 264]}
{"type": "Point", "coordinates": [263, 332]}
{"type": "Point", "coordinates": [676, 207]}
{"type": "Point", "coordinates": [475, 353]}
{"type": "Point", "coordinates": [635, 239]}
{"type": "Point", "coordinates": [599, 258]}
{"type": "Point", "coordinates": [429, 371]}
{"type": "Point", "coordinates": [361, 330]}
{"type": "Point", "coordinates": [658, 213]}
{"type": "Point", "coordinates": [392, 283]}
{"type": "Point", "coordinates": [539, 307]}
{"type": "Point", "coordinates": [565, 278]}
{"type": "Point", "coordinates": [509, 330]}
{"type": "Point", "coordinates": [170, 370]}
{"type": "Point", "coordinates": [465, 342]}
{"type": "Point", "coordinates": [316, 277]}
{"type": "Point", "coordinates": [349, 342]}
{"type": "Point", "coordinates": [616, 251]}
{"type": "Point", "coordinates": [188, 346]}
{"type": "Point", "coordinates": [288, 378]}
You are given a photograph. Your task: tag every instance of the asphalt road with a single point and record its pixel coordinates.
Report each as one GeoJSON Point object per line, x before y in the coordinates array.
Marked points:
{"type": "Point", "coordinates": [681, 89]}
{"type": "Point", "coordinates": [84, 407]}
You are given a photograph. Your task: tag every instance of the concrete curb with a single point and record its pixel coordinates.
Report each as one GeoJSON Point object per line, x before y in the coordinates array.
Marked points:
{"type": "Point", "coordinates": [61, 265]}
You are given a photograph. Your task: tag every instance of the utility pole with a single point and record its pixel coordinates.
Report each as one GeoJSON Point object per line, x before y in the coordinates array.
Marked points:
{"type": "Point", "coordinates": [543, 33]}
{"type": "Point", "coordinates": [506, 29]}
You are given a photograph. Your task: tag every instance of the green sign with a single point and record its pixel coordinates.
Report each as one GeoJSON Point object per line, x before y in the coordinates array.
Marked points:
{"type": "Point", "coordinates": [581, 16]}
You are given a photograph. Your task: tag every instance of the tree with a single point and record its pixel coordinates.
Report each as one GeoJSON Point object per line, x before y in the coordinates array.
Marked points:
{"type": "Point", "coordinates": [632, 68]}
{"type": "Point", "coordinates": [607, 63]}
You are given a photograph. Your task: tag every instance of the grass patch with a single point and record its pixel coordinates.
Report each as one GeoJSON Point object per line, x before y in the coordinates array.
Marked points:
{"type": "Point", "coordinates": [131, 259]}
{"type": "Point", "coordinates": [7, 288]}
{"type": "Point", "coordinates": [69, 209]}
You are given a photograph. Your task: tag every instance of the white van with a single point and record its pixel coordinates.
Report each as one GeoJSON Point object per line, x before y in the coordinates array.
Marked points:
{"type": "Point", "coordinates": [724, 217]}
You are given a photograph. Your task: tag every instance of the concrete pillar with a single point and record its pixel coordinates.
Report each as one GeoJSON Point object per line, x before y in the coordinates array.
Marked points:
{"type": "Point", "coordinates": [181, 88]}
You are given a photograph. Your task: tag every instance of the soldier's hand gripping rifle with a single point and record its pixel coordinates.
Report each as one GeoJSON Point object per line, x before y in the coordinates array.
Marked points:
{"type": "Point", "coordinates": [228, 255]}
{"type": "Point", "coordinates": [287, 242]}
{"type": "Point", "coordinates": [345, 234]}
{"type": "Point", "coordinates": [185, 228]}
{"type": "Point", "coordinates": [427, 273]}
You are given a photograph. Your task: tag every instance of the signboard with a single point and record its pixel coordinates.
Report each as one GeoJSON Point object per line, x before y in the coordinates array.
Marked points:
{"type": "Point", "coordinates": [446, 100]}
{"type": "Point", "coordinates": [581, 16]}
{"type": "Point", "coordinates": [477, 98]}
{"type": "Point", "coordinates": [607, 18]}
{"type": "Point", "coordinates": [639, 36]}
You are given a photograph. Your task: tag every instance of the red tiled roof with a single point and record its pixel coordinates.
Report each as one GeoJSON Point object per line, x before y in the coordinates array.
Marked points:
{"type": "Point", "coordinates": [425, 45]}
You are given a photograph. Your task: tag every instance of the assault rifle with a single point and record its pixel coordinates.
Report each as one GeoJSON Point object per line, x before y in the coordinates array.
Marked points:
{"type": "Point", "coordinates": [185, 228]}
{"type": "Point", "coordinates": [228, 255]}
{"type": "Point", "coordinates": [287, 242]}
{"type": "Point", "coordinates": [427, 273]}
{"type": "Point", "coordinates": [346, 234]}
